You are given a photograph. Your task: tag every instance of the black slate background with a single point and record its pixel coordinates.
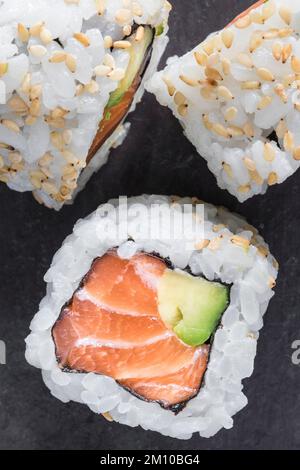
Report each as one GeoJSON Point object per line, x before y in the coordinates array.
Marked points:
{"type": "Point", "coordinates": [156, 158]}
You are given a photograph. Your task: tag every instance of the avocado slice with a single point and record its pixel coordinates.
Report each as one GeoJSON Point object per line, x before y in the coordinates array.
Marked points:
{"type": "Point", "coordinates": [191, 306]}
{"type": "Point", "coordinates": [121, 99]}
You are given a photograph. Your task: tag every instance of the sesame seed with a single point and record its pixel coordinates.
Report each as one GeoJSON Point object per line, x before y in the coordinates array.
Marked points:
{"type": "Point", "coordinates": [272, 178]}
{"type": "Point", "coordinates": [206, 122]}
{"type": "Point", "coordinates": [18, 105]}
{"type": "Point", "coordinates": [240, 241]}
{"type": "Point", "coordinates": [277, 50]}
{"type": "Point", "coordinates": [230, 113]}
{"type": "Point", "coordinates": [137, 9]}
{"type": "Point", "coordinates": [30, 120]}
{"type": "Point", "coordinates": [127, 30]}
{"type": "Point", "coordinates": [288, 141]}
{"type": "Point", "coordinates": [268, 10]}
{"type": "Point", "coordinates": [244, 188]}
{"type": "Point", "coordinates": [140, 33]}
{"type": "Point", "coordinates": [208, 47]}
{"type": "Point", "coordinates": [37, 50]}
{"type": "Point", "coordinates": [235, 131]}
{"type": "Point", "coordinates": [3, 68]}
{"type": "Point", "coordinates": [269, 152]}
{"type": "Point", "coordinates": [201, 58]}
{"type": "Point", "coordinates": [100, 6]}
{"type": "Point", "coordinates": [255, 41]}
{"type": "Point", "coordinates": [228, 170]}
{"type": "Point", "coordinates": [50, 188]}
{"type": "Point", "coordinates": [23, 33]}
{"type": "Point", "coordinates": [46, 36]}
{"type": "Point", "coordinates": [57, 140]}
{"type": "Point", "coordinates": [123, 16]}
{"type": "Point", "coordinates": [11, 125]}
{"type": "Point", "coordinates": [251, 85]}
{"type": "Point", "coordinates": [36, 91]}
{"type": "Point", "coordinates": [213, 74]}
{"type": "Point", "coordinates": [188, 81]}
{"type": "Point", "coordinates": [245, 60]}
{"type": "Point", "coordinates": [83, 39]}
{"type": "Point", "coordinates": [58, 57]}
{"type": "Point", "coordinates": [264, 102]}
{"type": "Point", "coordinates": [35, 108]}
{"type": "Point", "coordinates": [249, 164]}
{"type": "Point", "coordinates": [243, 22]}
{"type": "Point", "coordinates": [67, 136]}
{"type": "Point", "coordinates": [109, 61]}
{"type": "Point", "coordinates": [179, 98]}
{"type": "Point", "coordinates": [280, 91]}
{"type": "Point", "coordinates": [108, 417]}
{"type": "Point", "coordinates": [35, 30]}
{"type": "Point", "coordinates": [286, 52]}
{"type": "Point", "coordinates": [285, 32]}
{"type": "Point", "coordinates": [220, 130]}
{"type": "Point", "coordinates": [249, 130]}
{"type": "Point", "coordinates": [271, 282]}
{"type": "Point", "coordinates": [296, 153]}
{"type": "Point", "coordinates": [256, 17]}
{"type": "Point", "coordinates": [265, 74]}
{"type": "Point", "coordinates": [71, 63]}
{"type": "Point", "coordinates": [46, 159]}
{"type": "Point", "coordinates": [182, 110]}
{"type": "Point", "coordinates": [108, 42]}
{"type": "Point", "coordinates": [227, 37]}
{"type": "Point", "coordinates": [225, 93]}
{"type": "Point", "coordinates": [122, 44]}
{"type": "Point", "coordinates": [295, 63]}
{"type": "Point", "coordinates": [117, 74]}
{"type": "Point", "coordinates": [208, 92]}
{"type": "Point", "coordinates": [285, 14]}
{"type": "Point", "coordinates": [226, 66]}
{"type": "Point", "coordinates": [263, 251]}
{"type": "Point", "coordinates": [102, 70]}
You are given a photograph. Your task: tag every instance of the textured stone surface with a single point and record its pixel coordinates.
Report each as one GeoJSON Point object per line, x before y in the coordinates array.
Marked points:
{"type": "Point", "coordinates": [156, 158]}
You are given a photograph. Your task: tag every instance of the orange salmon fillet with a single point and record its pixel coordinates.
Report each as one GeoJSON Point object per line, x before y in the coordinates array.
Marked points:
{"type": "Point", "coordinates": [112, 326]}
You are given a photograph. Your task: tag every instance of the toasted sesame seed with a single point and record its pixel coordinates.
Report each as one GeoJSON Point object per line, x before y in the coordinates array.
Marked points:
{"type": "Point", "coordinates": [35, 107]}
{"type": "Point", "coordinates": [286, 52]}
{"type": "Point", "coordinates": [35, 30]}
{"type": "Point", "coordinates": [182, 110]}
{"type": "Point", "coordinates": [213, 74]}
{"type": "Point", "coordinates": [206, 122]}
{"type": "Point", "coordinates": [109, 61]}
{"type": "Point", "coordinates": [83, 39]}
{"type": "Point", "coordinates": [240, 241]}
{"type": "Point", "coordinates": [3, 68]}
{"type": "Point", "coordinates": [50, 188]}
{"type": "Point", "coordinates": [140, 33]}
{"type": "Point", "coordinates": [265, 74]}
{"type": "Point", "coordinates": [100, 6]}
{"type": "Point", "coordinates": [256, 17]}
{"type": "Point", "coordinates": [255, 41]}
{"type": "Point", "coordinates": [268, 10]}
{"type": "Point", "coordinates": [46, 36]}
{"type": "Point", "coordinates": [264, 102]}
{"type": "Point", "coordinates": [18, 105]}
{"type": "Point", "coordinates": [201, 58]}
{"type": "Point", "coordinates": [286, 14]}
{"type": "Point", "coordinates": [263, 251]}
{"type": "Point", "coordinates": [25, 87]}
{"type": "Point", "coordinates": [277, 50]}
{"type": "Point", "coordinates": [102, 70]}
{"type": "Point", "coordinates": [37, 50]}
{"type": "Point", "coordinates": [117, 74]}
{"type": "Point", "coordinates": [179, 98]}
{"type": "Point", "coordinates": [92, 87]}
{"type": "Point", "coordinates": [288, 80]}
{"type": "Point", "coordinates": [108, 42]}
{"type": "Point", "coordinates": [285, 32]}
{"type": "Point", "coordinates": [208, 46]}
{"type": "Point", "coordinates": [71, 63]}
{"type": "Point", "coordinates": [208, 92]}
{"type": "Point", "coordinates": [220, 130]}
{"type": "Point", "coordinates": [245, 188]}
{"type": "Point", "coordinates": [288, 141]}
{"type": "Point", "coordinates": [255, 176]}
{"type": "Point", "coordinates": [230, 113]}
{"type": "Point", "coordinates": [226, 66]}
{"type": "Point", "coordinates": [57, 140]}
{"type": "Point", "coordinates": [249, 164]}
{"type": "Point", "coordinates": [123, 16]}
{"type": "Point", "coordinates": [188, 81]}
{"type": "Point", "coordinates": [271, 282]}
{"type": "Point", "coordinates": [227, 37]}
{"type": "Point", "coordinates": [228, 170]}
{"type": "Point", "coordinates": [36, 91]}
{"type": "Point", "coordinates": [245, 60]}
{"type": "Point", "coordinates": [30, 120]}
{"type": "Point", "coordinates": [122, 44]}
{"type": "Point", "coordinates": [11, 125]}
{"type": "Point", "coordinates": [235, 131]}
{"type": "Point", "coordinates": [108, 417]}
{"type": "Point", "coordinates": [23, 33]}
{"type": "Point", "coordinates": [251, 85]}
{"type": "Point", "coordinates": [46, 159]}
{"type": "Point", "coordinates": [272, 178]}
{"type": "Point", "coordinates": [270, 34]}
{"type": "Point", "coordinates": [243, 22]}
{"type": "Point", "coordinates": [58, 57]}
{"type": "Point", "coordinates": [280, 91]}
{"type": "Point", "coordinates": [249, 130]}
{"type": "Point", "coordinates": [269, 152]}
{"type": "Point", "coordinates": [225, 93]}
{"type": "Point", "coordinates": [296, 153]}
{"type": "Point", "coordinates": [295, 63]}
{"type": "Point", "coordinates": [170, 86]}
{"type": "Point", "coordinates": [127, 30]}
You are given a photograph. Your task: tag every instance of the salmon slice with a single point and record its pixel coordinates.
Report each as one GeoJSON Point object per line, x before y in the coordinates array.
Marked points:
{"type": "Point", "coordinates": [112, 326]}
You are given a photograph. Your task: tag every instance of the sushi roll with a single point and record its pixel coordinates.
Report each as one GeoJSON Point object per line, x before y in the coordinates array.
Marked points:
{"type": "Point", "coordinates": [153, 329]}
{"type": "Point", "coordinates": [70, 72]}
{"type": "Point", "coordinates": [237, 97]}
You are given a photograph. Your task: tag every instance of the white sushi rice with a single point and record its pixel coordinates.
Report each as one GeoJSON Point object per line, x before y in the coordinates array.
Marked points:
{"type": "Point", "coordinates": [231, 251]}
{"type": "Point", "coordinates": [233, 90]}
{"type": "Point", "coordinates": [57, 71]}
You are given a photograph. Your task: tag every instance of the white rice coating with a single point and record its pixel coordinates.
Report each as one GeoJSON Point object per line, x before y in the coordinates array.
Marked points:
{"type": "Point", "coordinates": [234, 253]}
{"type": "Point", "coordinates": [233, 90]}
{"type": "Point", "coordinates": [53, 93]}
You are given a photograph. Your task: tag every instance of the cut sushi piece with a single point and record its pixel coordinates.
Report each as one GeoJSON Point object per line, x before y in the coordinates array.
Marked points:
{"type": "Point", "coordinates": [113, 325]}
{"type": "Point", "coordinates": [157, 333]}
{"type": "Point", "coordinates": [70, 73]}
{"type": "Point", "coordinates": [236, 96]}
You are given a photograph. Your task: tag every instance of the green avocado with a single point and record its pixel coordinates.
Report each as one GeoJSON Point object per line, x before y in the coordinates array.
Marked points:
{"type": "Point", "coordinates": [138, 54]}
{"type": "Point", "coordinates": [191, 306]}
